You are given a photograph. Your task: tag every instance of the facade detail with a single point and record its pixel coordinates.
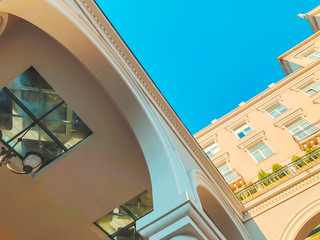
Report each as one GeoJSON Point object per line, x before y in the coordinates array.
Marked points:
{"type": "Point", "coordinates": [121, 164]}
{"type": "Point", "coordinates": [277, 153]}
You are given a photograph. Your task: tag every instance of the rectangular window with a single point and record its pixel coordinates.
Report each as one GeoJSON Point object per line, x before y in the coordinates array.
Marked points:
{"type": "Point", "coordinates": [302, 128]}
{"type": "Point", "coordinates": [226, 172]}
{"type": "Point", "coordinates": [243, 130]}
{"type": "Point", "coordinates": [315, 55]}
{"type": "Point", "coordinates": [260, 151]}
{"type": "Point", "coordinates": [276, 110]}
{"type": "Point", "coordinates": [212, 149]}
{"type": "Point", "coordinates": [312, 88]}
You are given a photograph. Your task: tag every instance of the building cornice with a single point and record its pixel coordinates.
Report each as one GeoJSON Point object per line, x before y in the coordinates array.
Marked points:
{"type": "Point", "coordinates": [265, 94]}
{"type": "Point", "coordinates": [295, 48]}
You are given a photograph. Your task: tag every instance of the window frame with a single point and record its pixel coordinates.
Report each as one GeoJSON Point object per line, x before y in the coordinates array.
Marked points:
{"type": "Point", "coordinates": [210, 147]}
{"type": "Point", "coordinates": [307, 84]}
{"type": "Point", "coordinates": [256, 143]}
{"type": "Point", "coordinates": [271, 105]}
{"type": "Point", "coordinates": [306, 121]}
{"type": "Point", "coordinates": [312, 52]}
{"type": "Point", "coordinates": [234, 130]}
{"type": "Point", "coordinates": [223, 174]}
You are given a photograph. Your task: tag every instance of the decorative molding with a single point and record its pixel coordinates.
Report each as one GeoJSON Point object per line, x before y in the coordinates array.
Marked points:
{"type": "Point", "coordinates": [236, 123]}
{"type": "Point", "coordinates": [296, 87]}
{"type": "Point", "coordinates": [162, 105]}
{"type": "Point", "coordinates": [251, 141]}
{"type": "Point", "coordinates": [316, 101]}
{"type": "Point", "coordinates": [289, 118]}
{"type": "Point", "coordinates": [269, 103]}
{"type": "Point", "coordinates": [224, 158]}
{"type": "Point", "coordinates": [277, 198]}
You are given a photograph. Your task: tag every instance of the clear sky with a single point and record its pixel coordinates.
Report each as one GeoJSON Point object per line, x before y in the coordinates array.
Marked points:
{"type": "Point", "coordinates": [208, 56]}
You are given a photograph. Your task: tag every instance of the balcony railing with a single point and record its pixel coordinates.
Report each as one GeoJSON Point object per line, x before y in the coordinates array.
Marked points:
{"type": "Point", "coordinates": [229, 176]}
{"type": "Point", "coordinates": [280, 176]}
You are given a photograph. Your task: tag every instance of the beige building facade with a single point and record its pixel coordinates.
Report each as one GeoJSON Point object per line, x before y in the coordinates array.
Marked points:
{"type": "Point", "coordinates": [260, 147]}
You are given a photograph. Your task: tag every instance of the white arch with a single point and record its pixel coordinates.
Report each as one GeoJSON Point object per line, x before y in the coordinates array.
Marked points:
{"type": "Point", "coordinates": [299, 226]}
{"type": "Point", "coordinates": [199, 180]}
{"type": "Point", "coordinates": [116, 78]}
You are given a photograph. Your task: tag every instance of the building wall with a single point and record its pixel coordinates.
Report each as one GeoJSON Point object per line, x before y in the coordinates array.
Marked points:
{"type": "Point", "coordinates": [280, 140]}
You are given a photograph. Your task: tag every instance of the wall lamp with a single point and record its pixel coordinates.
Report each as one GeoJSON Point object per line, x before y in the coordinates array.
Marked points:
{"type": "Point", "coordinates": [30, 163]}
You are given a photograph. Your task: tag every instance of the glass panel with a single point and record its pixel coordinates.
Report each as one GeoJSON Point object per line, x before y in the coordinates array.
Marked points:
{"type": "Point", "coordinates": [36, 140]}
{"type": "Point", "coordinates": [274, 114]}
{"type": "Point", "coordinates": [140, 205]}
{"type": "Point", "coordinates": [114, 221]}
{"type": "Point", "coordinates": [241, 134]}
{"type": "Point", "coordinates": [66, 126]}
{"type": "Point", "coordinates": [258, 156]}
{"type": "Point", "coordinates": [266, 151]}
{"type": "Point", "coordinates": [256, 147]}
{"type": "Point", "coordinates": [34, 92]}
{"type": "Point", "coordinates": [294, 125]}
{"type": "Point", "coordinates": [301, 134]}
{"type": "Point", "coordinates": [209, 154]}
{"type": "Point", "coordinates": [248, 130]}
{"type": "Point", "coordinates": [128, 234]}
{"type": "Point", "coordinates": [12, 118]}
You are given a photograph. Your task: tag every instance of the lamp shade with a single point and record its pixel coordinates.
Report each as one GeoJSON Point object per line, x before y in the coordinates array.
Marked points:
{"type": "Point", "coordinates": [31, 162]}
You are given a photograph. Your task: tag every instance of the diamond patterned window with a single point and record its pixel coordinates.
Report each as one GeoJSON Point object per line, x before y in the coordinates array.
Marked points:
{"type": "Point", "coordinates": [34, 118]}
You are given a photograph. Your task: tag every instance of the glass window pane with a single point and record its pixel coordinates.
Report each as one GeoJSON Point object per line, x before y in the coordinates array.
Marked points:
{"type": "Point", "coordinates": [209, 154]}
{"type": "Point", "coordinates": [247, 130]}
{"type": "Point", "coordinates": [240, 134]}
{"type": "Point", "coordinates": [128, 234]}
{"type": "Point", "coordinates": [258, 156]}
{"type": "Point", "coordinates": [34, 92]}
{"type": "Point", "coordinates": [114, 221]}
{"type": "Point", "coordinates": [256, 147]}
{"type": "Point", "coordinates": [12, 118]}
{"type": "Point", "coordinates": [274, 114]}
{"type": "Point", "coordinates": [36, 140]}
{"type": "Point", "coordinates": [295, 124]}
{"type": "Point", "coordinates": [266, 151]}
{"type": "Point", "coordinates": [140, 205]}
{"type": "Point", "coordinates": [66, 126]}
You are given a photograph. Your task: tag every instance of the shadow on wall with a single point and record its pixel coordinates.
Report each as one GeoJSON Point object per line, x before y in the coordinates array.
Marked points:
{"type": "Point", "coordinates": [221, 218]}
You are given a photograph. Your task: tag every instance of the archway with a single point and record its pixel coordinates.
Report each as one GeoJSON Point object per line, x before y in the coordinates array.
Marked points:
{"type": "Point", "coordinates": [100, 58]}
{"type": "Point", "coordinates": [304, 222]}
{"type": "Point", "coordinates": [216, 208]}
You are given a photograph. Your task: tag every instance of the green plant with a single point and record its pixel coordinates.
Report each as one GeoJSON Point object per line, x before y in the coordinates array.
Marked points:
{"type": "Point", "coordinates": [311, 155]}
{"type": "Point", "coordinates": [299, 163]}
{"type": "Point", "coordinates": [261, 175]}
{"type": "Point", "coordinates": [279, 174]}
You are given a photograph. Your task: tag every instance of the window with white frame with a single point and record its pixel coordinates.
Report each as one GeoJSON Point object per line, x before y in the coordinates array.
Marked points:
{"type": "Point", "coordinates": [260, 151]}
{"type": "Point", "coordinates": [212, 149]}
{"type": "Point", "coordinates": [314, 55]}
{"type": "Point", "coordinates": [311, 88]}
{"type": "Point", "coordinates": [277, 109]}
{"type": "Point", "coordinates": [243, 130]}
{"type": "Point", "coordinates": [226, 172]}
{"type": "Point", "coordinates": [302, 128]}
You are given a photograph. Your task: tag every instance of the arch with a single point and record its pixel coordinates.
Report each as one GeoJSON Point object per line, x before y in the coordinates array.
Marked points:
{"type": "Point", "coordinates": [102, 61]}
{"type": "Point", "coordinates": [216, 209]}
{"type": "Point", "coordinates": [307, 218]}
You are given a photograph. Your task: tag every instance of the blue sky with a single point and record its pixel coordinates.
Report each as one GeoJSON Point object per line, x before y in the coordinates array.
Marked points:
{"type": "Point", "coordinates": [208, 56]}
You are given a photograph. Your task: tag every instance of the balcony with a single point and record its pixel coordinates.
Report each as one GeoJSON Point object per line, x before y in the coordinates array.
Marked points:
{"type": "Point", "coordinates": [309, 136]}
{"type": "Point", "coordinates": [234, 179]}
{"type": "Point", "coordinates": [280, 176]}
